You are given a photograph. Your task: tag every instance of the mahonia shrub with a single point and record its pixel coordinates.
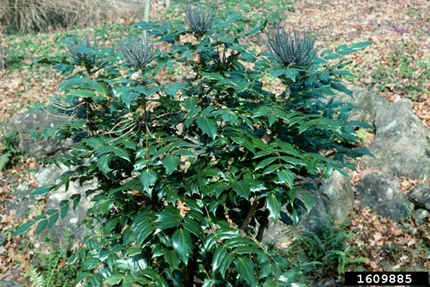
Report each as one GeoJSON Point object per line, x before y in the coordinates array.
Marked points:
{"type": "Point", "coordinates": [189, 173]}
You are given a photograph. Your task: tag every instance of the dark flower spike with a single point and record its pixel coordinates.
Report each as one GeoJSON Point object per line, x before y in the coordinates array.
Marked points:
{"type": "Point", "coordinates": [289, 51]}
{"type": "Point", "coordinates": [137, 54]}
{"type": "Point", "coordinates": [198, 21]}
{"type": "Point", "coordinates": [74, 42]}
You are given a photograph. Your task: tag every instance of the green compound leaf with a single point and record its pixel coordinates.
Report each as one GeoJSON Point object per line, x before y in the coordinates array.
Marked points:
{"type": "Point", "coordinates": [104, 205]}
{"type": "Point", "coordinates": [360, 46]}
{"type": "Point", "coordinates": [332, 56]}
{"type": "Point", "coordinates": [41, 225]}
{"type": "Point", "coordinates": [171, 163]}
{"type": "Point", "coordinates": [103, 163]}
{"type": "Point", "coordinates": [246, 270]}
{"type": "Point", "coordinates": [114, 279]}
{"type": "Point", "coordinates": [341, 88]}
{"type": "Point", "coordinates": [190, 103]}
{"type": "Point", "coordinates": [42, 190]}
{"type": "Point", "coordinates": [225, 263]}
{"type": "Point", "coordinates": [90, 264]}
{"type": "Point", "coordinates": [122, 153]}
{"type": "Point", "coordinates": [64, 204]}
{"type": "Point", "coordinates": [129, 96]}
{"type": "Point", "coordinates": [309, 200]}
{"type": "Point", "coordinates": [172, 89]}
{"type": "Point", "coordinates": [53, 219]}
{"type": "Point", "coordinates": [142, 227]}
{"type": "Point", "coordinates": [193, 227]}
{"type": "Point", "coordinates": [182, 244]}
{"type": "Point", "coordinates": [76, 198]}
{"type": "Point", "coordinates": [101, 89]}
{"type": "Point", "coordinates": [218, 257]}
{"type": "Point", "coordinates": [95, 142]}
{"type": "Point", "coordinates": [23, 228]}
{"type": "Point", "coordinates": [359, 152]}
{"type": "Point", "coordinates": [81, 276]}
{"type": "Point", "coordinates": [271, 168]}
{"type": "Point", "coordinates": [274, 207]}
{"type": "Point", "coordinates": [147, 178]}
{"type": "Point", "coordinates": [172, 259]}
{"type": "Point", "coordinates": [78, 81]}
{"type": "Point", "coordinates": [327, 172]}
{"type": "Point", "coordinates": [244, 142]}
{"type": "Point", "coordinates": [236, 242]}
{"type": "Point", "coordinates": [286, 176]}
{"type": "Point", "coordinates": [208, 126]}
{"type": "Point", "coordinates": [242, 188]}
{"type": "Point", "coordinates": [266, 162]}
{"type": "Point", "coordinates": [342, 73]}
{"type": "Point", "coordinates": [82, 93]}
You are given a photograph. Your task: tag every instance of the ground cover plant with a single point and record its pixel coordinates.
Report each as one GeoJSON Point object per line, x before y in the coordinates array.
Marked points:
{"type": "Point", "coordinates": [189, 209]}
{"type": "Point", "coordinates": [25, 85]}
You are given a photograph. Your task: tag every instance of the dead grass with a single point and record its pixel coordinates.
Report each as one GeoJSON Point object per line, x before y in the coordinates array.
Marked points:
{"type": "Point", "coordinates": [44, 15]}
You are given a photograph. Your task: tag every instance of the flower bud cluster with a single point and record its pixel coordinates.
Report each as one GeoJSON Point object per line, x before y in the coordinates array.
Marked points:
{"type": "Point", "coordinates": [74, 42]}
{"type": "Point", "coordinates": [137, 54]}
{"type": "Point", "coordinates": [291, 51]}
{"type": "Point", "coordinates": [198, 21]}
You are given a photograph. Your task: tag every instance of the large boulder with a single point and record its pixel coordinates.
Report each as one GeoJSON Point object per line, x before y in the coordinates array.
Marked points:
{"type": "Point", "coordinates": [281, 232]}
{"type": "Point", "coordinates": [338, 196]}
{"type": "Point", "coordinates": [420, 195]}
{"type": "Point", "coordinates": [37, 148]}
{"type": "Point", "coordinates": [420, 214]}
{"type": "Point", "coordinates": [47, 176]}
{"type": "Point", "coordinates": [401, 145]}
{"type": "Point", "coordinates": [334, 197]}
{"type": "Point", "coordinates": [21, 206]}
{"type": "Point", "coordinates": [382, 194]}
{"type": "Point", "coordinates": [368, 101]}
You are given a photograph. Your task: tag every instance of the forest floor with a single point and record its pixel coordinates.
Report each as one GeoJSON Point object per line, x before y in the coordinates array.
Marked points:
{"type": "Point", "coordinates": [396, 66]}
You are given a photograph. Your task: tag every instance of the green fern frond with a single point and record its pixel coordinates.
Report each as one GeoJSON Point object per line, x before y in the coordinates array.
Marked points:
{"type": "Point", "coordinates": [329, 246]}
{"type": "Point", "coordinates": [312, 244]}
{"type": "Point", "coordinates": [302, 257]}
{"type": "Point", "coordinates": [35, 277]}
{"type": "Point", "coordinates": [4, 159]}
{"type": "Point", "coordinates": [305, 262]}
{"type": "Point", "coordinates": [291, 249]}
{"type": "Point", "coordinates": [53, 262]}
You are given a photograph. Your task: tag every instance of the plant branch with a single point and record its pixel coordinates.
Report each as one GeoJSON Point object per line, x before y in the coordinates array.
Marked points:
{"type": "Point", "coordinates": [249, 215]}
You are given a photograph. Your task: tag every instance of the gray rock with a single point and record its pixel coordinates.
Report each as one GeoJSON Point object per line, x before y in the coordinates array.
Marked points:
{"type": "Point", "coordinates": [38, 148]}
{"type": "Point", "coordinates": [401, 146]}
{"type": "Point", "coordinates": [335, 197]}
{"type": "Point", "coordinates": [338, 196]}
{"type": "Point", "coordinates": [420, 214]}
{"type": "Point", "coordinates": [369, 101]}
{"type": "Point", "coordinates": [420, 195]}
{"type": "Point", "coordinates": [280, 232]}
{"type": "Point", "coordinates": [382, 194]}
{"type": "Point", "coordinates": [10, 283]}
{"type": "Point", "coordinates": [74, 217]}
{"type": "Point", "coordinates": [22, 205]}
